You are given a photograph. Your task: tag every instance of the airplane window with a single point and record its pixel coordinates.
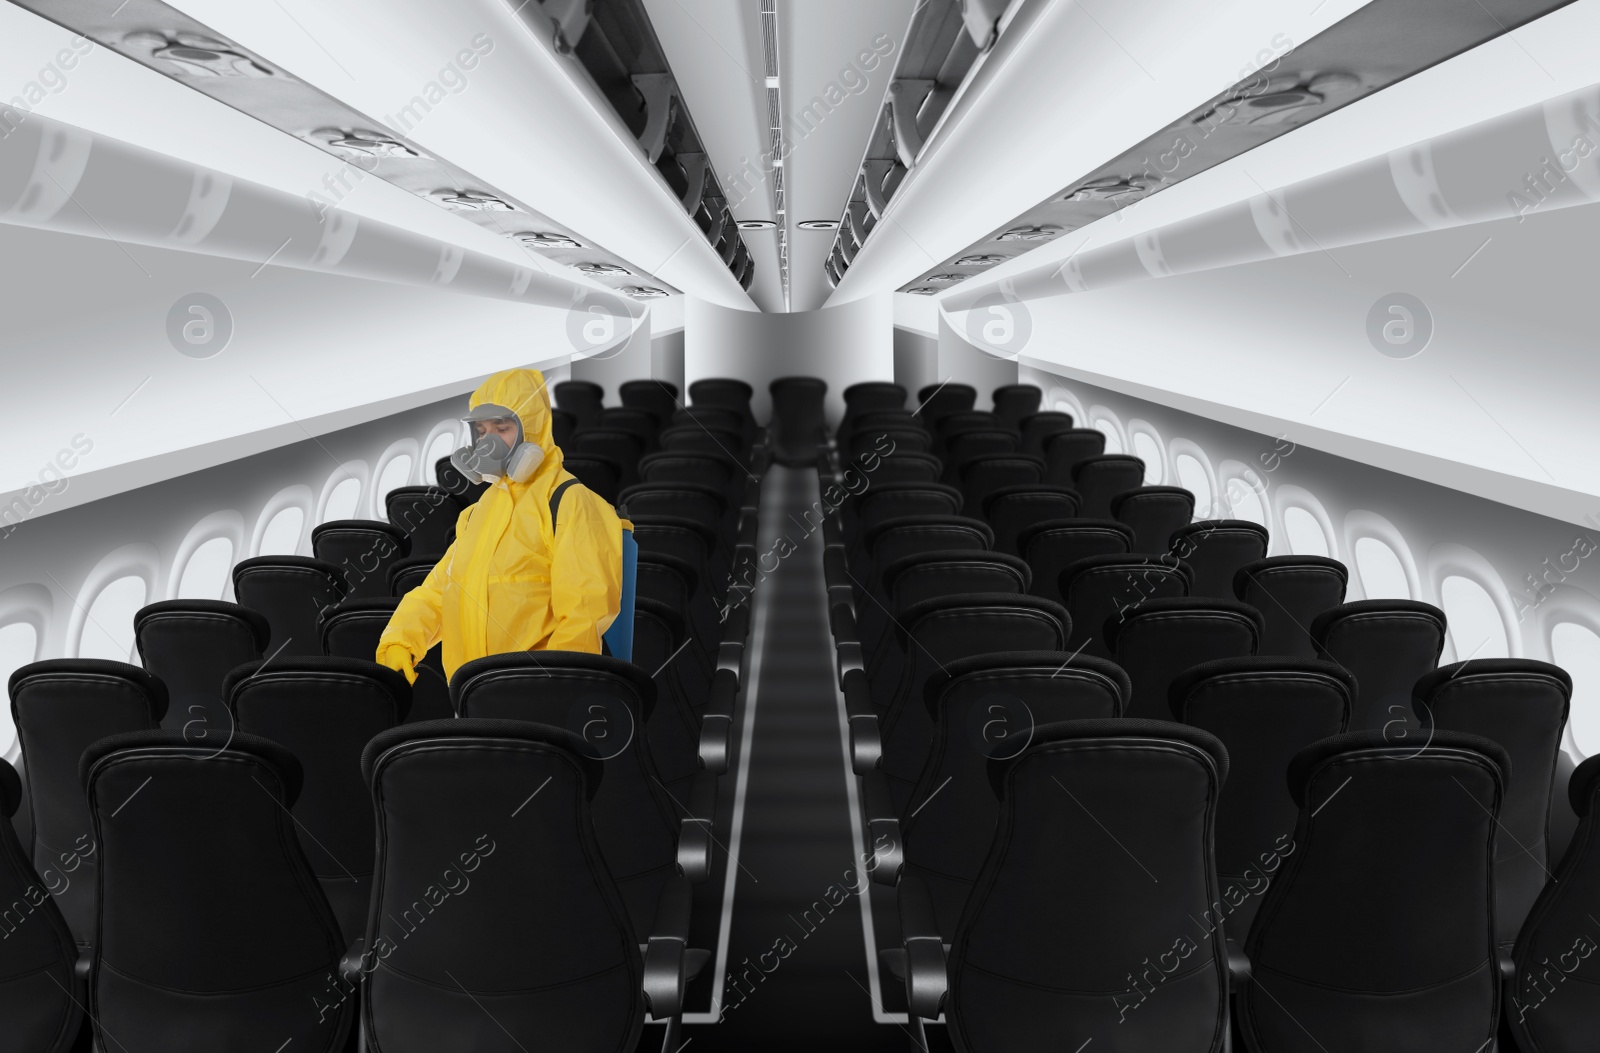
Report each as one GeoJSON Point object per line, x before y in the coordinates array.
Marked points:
{"type": "Point", "coordinates": [205, 575]}
{"type": "Point", "coordinates": [1147, 447]}
{"type": "Point", "coordinates": [19, 645]}
{"type": "Point", "coordinates": [396, 473]}
{"type": "Point", "coordinates": [1577, 650]}
{"type": "Point", "coordinates": [1243, 493]}
{"type": "Point", "coordinates": [1306, 537]}
{"type": "Point", "coordinates": [1192, 476]}
{"type": "Point", "coordinates": [1476, 628]}
{"type": "Point", "coordinates": [108, 629]}
{"type": "Point", "coordinates": [342, 500]}
{"type": "Point", "coordinates": [1383, 577]}
{"type": "Point", "coordinates": [282, 536]}
{"type": "Point", "coordinates": [442, 445]}
{"type": "Point", "coordinates": [1102, 420]}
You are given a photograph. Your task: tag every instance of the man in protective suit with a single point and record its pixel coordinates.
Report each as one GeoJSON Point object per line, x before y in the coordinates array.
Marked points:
{"type": "Point", "coordinates": [511, 581]}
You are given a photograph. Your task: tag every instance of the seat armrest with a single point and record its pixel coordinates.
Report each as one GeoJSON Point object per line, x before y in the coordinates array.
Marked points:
{"type": "Point", "coordinates": [1238, 967]}
{"type": "Point", "coordinates": [835, 565]}
{"type": "Point", "coordinates": [866, 742]}
{"type": "Point", "coordinates": [832, 533]}
{"type": "Point", "coordinates": [736, 626]}
{"type": "Point", "coordinates": [664, 954]}
{"type": "Point", "coordinates": [716, 724]}
{"type": "Point", "coordinates": [883, 829]}
{"type": "Point", "coordinates": [1508, 966]}
{"type": "Point", "coordinates": [85, 962]}
{"type": "Point", "coordinates": [350, 965]}
{"type": "Point", "coordinates": [926, 975]}
{"type": "Point", "coordinates": [842, 596]}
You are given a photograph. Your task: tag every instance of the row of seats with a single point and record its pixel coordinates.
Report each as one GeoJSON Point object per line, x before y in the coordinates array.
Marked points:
{"type": "Point", "coordinates": [225, 843]}
{"type": "Point", "coordinates": [1046, 779]}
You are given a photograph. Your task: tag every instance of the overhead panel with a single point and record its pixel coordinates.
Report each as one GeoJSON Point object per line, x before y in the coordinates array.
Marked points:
{"type": "Point", "coordinates": [1378, 45]}
{"type": "Point", "coordinates": [612, 43]}
{"type": "Point", "coordinates": [943, 43]}
{"type": "Point", "coordinates": [175, 45]}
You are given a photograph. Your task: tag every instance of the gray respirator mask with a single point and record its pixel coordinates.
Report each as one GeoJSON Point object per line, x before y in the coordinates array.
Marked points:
{"type": "Point", "coordinates": [489, 458]}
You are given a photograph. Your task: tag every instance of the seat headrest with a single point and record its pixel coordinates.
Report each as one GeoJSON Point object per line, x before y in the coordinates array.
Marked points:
{"type": "Point", "coordinates": [176, 744]}
{"type": "Point", "coordinates": [915, 614]}
{"type": "Point", "coordinates": [1115, 728]}
{"type": "Point", "coordinates": [976, 526]}
{"type": "Point", "coordinates": [71, 668]}
{"type": "Point", "coordinates": [1022, 491]}
{"type": "Point", "coordinates": [1274, 566]}
{"type": "Point", "coordinates": [288, 565]}
{"type": "Point", "coordinates": [1028, 535]}
{"type": "Point", "coordinates": [1334, 676]}
{"type": "Point", "coordinates": [959, 557]}
{"type": "Point", "coordinates": [256, 623]}
{"type": "Point", "coordinates": [10, 790]}
{"type": "Point", "coordinates": [495, 667]}
{"type": "Point", "coordinates": [1124, 561]}
{"type": "Point", "coordinates": [1584, 786]}
{"type": "Point", "coordinates": [1525, 671]}
{"type": "Point", "coordinates": [1060, 664]}
{"type": "Point", "coordinates": [676, 625]}
{"type": "Point", "coordinates": [309, 667]}
{"type": "Point", "coordinates": [474, 732]}
{"type": "Point", "coordinates": [1378, 743]}
{"type": "Point", "coordinates": [1363, 610]}
{"type": "Point", "coordinates": [1165, 608]}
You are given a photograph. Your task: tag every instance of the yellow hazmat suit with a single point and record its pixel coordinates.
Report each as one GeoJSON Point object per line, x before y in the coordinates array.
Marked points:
{"type": "Point", "coordinates": [507, 584]}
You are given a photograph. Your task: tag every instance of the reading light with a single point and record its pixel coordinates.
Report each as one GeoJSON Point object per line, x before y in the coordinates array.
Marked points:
{"type": "Point", "coordinates": [644, 292]}
{"type": "Point", "coordinates": [470, 201]}
{"type": "Point", "coordinates": [362, 143]}
{"type": "Point", "coordinates": [603, 268]}
{"type": "Point", "coordinates": [543, 240]}
{"type": "Point", "coordinates": [757, 224]}
{"type": "Point", "coordinates": [1043, 232]}
{"type": "Point", "coordinates": [1111, 188]}
{"type": "Point", "coordinates": [923, 290]}
{"type": "Point", "coordinates": [979, 261]}
{"type": "Point", "coordinates": [197, 55]}
{"type": "Point", "coordinates": [818, 224]}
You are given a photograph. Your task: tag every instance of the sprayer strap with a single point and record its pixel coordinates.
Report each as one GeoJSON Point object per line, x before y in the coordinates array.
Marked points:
{"type": "Point", "coordinates": [555, 502]}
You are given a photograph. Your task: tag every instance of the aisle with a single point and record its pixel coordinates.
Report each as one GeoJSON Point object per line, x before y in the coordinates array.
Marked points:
{"type": "Point", "coordinates": [795, 949]}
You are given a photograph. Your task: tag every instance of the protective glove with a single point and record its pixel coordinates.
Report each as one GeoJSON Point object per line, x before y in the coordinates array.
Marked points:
{"type": "Point", "coordinates": [398, 657]}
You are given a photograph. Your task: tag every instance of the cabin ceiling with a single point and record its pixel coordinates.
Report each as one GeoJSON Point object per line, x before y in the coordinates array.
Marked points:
{"type": "Point", "coordinates": [790, 103]}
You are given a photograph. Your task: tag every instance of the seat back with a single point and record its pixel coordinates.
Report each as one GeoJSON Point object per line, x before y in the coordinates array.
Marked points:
{"type": "Point", "coordinates": [1097, 590]}
{"type": "Point", "coordinates": [1522, 705]}
{"type": "Point", "coordinates": [1064, 450]}
{"type": "Point", "coordinates": [1290, 592]}
{"type": "Point", "coordinates": [970, 443]}
{"type": "Point", "coordinates": [1012, 402]}
{"type": "Point", "coordinates": [673, 730]}
{"type": "Point", "coordinates": [581, 398]}
{"type": "Point", "coordinates": [1378, 933]}
{"type": "Point", "coordinates": [885, 441]}
{"type": "Point", "coordinates": [717, 418]}
{"type": "Point", "coordinates": [425, 514]}
{"type": "Point", "coordinates": [363, 550]}
{"type": "Point", "coordinates": [728, 394]}
{"type": "Point", "coordinates": [1544, 1011]}
{"type": "Point", "coordinates": [1388, 645]}
{"type": "Point", "coordinates": [191, 645]}
{"type": "Point", "coordinates": [987, 707]}
{"type": "Point", "coordinates": [1053, 545]}
{"type": "Point", "coordinates": [1099, 479]}
{"type": "Point", "coordinates": [894, 539]}
{"type": "Point", "coordinates": [658, 396]}
{"type": "Point", "coordinates": [797, 422]}
{"type": "Point", "coordinates": [954, 425]}
{"type": "Point", "coordinates": [684, 500]}
{"type": "Point", "coordinates": [408, 573]}
{"type": "Point", "coordinates": [641, 423]}
{"type": "Point", "coordinates": [213, 930]}
{"type": "Point", "coordinates": [562, 426]}
{"type": "Point", "coordinates": [1216, 549]}
{"type": "Point", "coordinates": [494, 815]}
{"type": "Point", "coordinates": [986, 473]}
{"type": "Point", "coordinates": [1037, 427]}
{"type": "Point", "coordinates": [1154, 513]}
{"type": "Point", "coordinates": [693, 543]}
{"type": "Point", "coordinates": [923, 576]}
{"type": "Point", "coordinates": [325, 711]}
{"type": "Point", "coordinates": [1101, 864]}
{"type": "Point", "coordinates": [705, 439]}
{"type": "Point", "coordinates": [352, 630]}
{"type": "Point", "coordinates": [902, 466]}
{"type": "Point", "coordinates": [705, 469]}
{"type": "Point", "coordinates": [934, 633]}
{"type": "Point", "coordinates": [605, 702]}
{"type": "Point", "coordinates": [937, 401]}
{"type": "Point", "coordinates": [37, 953]}
{"type": "Point", "coordinates": [871, 396]}
{"type": "Point", "coordinates": [291, 592]}
{"type": "Point", "coordinates": [1159, 639]}
{"type": "Point", "coordinates": [61, 706]}
{"type": "Point", "coordinates": [451, 481]}
{"type": "Point", "coordinates": [623, 448]}
{"type": "Point", "coordinates": [1012, 509]}
{"type": "Point", "coordinates": [1265, 711]}
{"type": "Point", "coordinates": [601, 474]}
{"type": "Point", "coordinates": [880, 502]}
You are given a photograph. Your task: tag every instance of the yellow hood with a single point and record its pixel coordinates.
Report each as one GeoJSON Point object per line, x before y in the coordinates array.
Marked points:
{"type": "Point", "coordinates": [524, 392]}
